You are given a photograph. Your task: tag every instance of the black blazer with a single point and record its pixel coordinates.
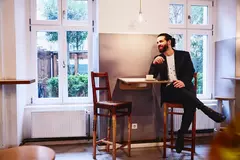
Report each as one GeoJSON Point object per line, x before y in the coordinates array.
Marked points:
{"type": "Point", "coordinates": [184, 69]}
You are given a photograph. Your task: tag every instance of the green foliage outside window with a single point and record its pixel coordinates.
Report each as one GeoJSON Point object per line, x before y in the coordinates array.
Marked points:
{"type": "Point", "coordinates": [197, 46]}
{"type": "Point", "coordinates": [77, 86]}
{"type": "Point", "coordinates": [76, 11]}
{"type": "Point", "coordinates": [52, 87]}
{"type": "Point", "coordinates": [197, 58]}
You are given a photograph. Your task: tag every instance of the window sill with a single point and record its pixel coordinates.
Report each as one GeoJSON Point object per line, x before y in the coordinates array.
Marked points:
{"type": "Point", "coordinates": [59, 107]}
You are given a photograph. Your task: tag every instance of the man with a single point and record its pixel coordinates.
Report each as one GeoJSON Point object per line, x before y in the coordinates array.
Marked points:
{"type": "Point", "coordinates": [177, 67]}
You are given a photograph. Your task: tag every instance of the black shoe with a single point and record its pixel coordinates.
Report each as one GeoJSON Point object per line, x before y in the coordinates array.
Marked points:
{"type": "Point", "coordinates": [179, 143]}
{"type": "Point", "coordinates": [217, 117]}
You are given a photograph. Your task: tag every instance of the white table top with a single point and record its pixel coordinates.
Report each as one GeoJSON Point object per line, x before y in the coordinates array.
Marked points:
{"type": "Point", "coordinates": [140, 80]}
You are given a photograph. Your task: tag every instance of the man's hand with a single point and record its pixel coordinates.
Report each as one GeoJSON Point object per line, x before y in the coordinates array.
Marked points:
{"type": "Point", "coordinates": [178, 84]}
{"type": "Point", "coordinates": [158, 60]}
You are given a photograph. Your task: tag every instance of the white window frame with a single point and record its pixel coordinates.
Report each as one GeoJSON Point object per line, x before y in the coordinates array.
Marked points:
{"type": "Point", "coordinates": [187, 12]}
{"type": "Point", "coordinates": [188, 29]}
{"type": "Point", "coordinates": [184, 33]}
{"type": "Point", "coordinates": [67, 99]}
{"type": "Point", "coordinates": [61, 26]}
{"type": "Point", "coordinates": [201, 3]}
{"type": "Point", "coordinates": [184, 3]}
{"type": "Point", "coordinates": [44, 22]}
{"type": "Point", "coordinates": [34, 65]}
{"type": "Point", "coordinates": [208, 77]}
{"type": "Point", "coordinates": [66, 22]}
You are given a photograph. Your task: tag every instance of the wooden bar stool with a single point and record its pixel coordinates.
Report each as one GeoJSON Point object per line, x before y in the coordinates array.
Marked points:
{"type": "Point", "coordinates": [115, 109]}
{"type": "Point", "coordinates": [27, 153]}
{"type": "Point", "coordinates": [231, 102]}
{"type": "Point", "coordinates": [173, 106]}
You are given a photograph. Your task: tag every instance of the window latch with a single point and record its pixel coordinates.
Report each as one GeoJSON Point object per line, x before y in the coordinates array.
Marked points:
{"type": "Point", "coordinates": [64, 64]}
{"type": "Point", "coordinates": [64, 13]}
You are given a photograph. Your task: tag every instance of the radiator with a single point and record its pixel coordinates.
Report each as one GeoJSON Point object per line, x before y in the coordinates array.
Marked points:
{"type": "Point", "coordinates": [51, 124]}
{"type": "Point", "coordinates": [202, 121]}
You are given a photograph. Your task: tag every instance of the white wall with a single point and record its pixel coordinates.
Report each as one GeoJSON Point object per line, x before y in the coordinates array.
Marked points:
{"type": "Point", "coordinates": [1, 62]}
{"type": "Point", "coordinates": [114, 16]}
{"type": "Point", "coordinates": [21, 61]}
{"type": "Point", "coordinates": [12, 98]}
{"type": "Point", "coordinates": [226, 51]}
{"type": "Point", "coordinates": [238, 41]}
{"type": "Point", "coordinates": [8, 100]}
{"type": "Point", "coordinates": [226, 18]}
{"type": "Point", "coordinates": [121, 16]}
{"type": "Point", "coordinates": [237, 89]}
{"type": "Point", "coordinates": [225, 46]}
{"type": "Point", "coordinates": [1, 68]}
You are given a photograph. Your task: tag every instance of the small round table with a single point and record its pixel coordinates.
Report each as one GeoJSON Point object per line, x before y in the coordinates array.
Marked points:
{"type": "Point", "coordinates": [231, 102]}
{"type": "Point", "coordinates": [31, 152]}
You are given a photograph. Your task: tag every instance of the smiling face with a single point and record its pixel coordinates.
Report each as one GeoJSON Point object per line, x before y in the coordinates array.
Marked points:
{"type": "Point", "coordinates": [162, 44]}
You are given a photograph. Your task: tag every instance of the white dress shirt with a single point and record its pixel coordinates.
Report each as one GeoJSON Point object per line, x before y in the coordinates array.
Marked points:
{"type": "Point", "coordinates": [171, 68]}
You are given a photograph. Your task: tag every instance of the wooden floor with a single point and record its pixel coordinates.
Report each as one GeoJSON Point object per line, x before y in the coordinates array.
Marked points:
{"type": "Point", "coordinates": [79, 150]}
{"type": "Point", "coordinates": [84, 152]}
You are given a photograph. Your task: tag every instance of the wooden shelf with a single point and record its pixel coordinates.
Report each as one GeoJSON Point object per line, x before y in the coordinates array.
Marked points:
{"type": "Point", "coordinates": [16, 81]}
{"type": "Point", "coordinates": [232, 78]}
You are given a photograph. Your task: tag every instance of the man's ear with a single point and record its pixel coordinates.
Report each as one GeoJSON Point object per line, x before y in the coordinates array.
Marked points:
{"type": "Point", "coordinates": [169, 42]}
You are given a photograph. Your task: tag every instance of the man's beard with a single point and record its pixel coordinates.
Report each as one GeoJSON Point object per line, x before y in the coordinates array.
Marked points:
{"type": "Point", "coordinates": [164, 49]}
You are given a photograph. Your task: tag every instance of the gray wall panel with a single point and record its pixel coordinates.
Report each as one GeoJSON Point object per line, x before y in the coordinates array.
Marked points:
{"type": "Point", "coordinates": [130, 55]}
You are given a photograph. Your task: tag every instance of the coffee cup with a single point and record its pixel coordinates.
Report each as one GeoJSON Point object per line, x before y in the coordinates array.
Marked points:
{"type": "Point", "coordinates": [149, 77]}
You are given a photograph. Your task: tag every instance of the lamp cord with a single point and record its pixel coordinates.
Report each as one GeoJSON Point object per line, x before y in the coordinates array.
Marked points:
{"type": "Point", "coordinates": [140, 11]}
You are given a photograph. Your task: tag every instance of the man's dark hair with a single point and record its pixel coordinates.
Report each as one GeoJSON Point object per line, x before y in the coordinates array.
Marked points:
{"type": "Point", "coordinates": [167, 38]}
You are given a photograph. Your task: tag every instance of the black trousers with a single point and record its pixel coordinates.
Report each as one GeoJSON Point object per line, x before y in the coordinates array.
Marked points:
{"type": "Point", "coordinates": [185, 97]}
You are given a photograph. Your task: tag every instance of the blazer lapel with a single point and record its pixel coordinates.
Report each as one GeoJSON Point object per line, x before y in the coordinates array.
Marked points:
{"type": "Point", "coordinates": [177, 61]}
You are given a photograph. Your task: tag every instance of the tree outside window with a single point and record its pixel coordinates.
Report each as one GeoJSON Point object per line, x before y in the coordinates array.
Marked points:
{"type": "Point", "coordinates": [76, 49]}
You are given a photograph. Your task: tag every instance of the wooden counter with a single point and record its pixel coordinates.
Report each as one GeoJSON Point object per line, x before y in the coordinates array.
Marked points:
{"type": "Point", "coordinates": [232, 78]}
{"type": "Point", "coordinates": [16, 81]}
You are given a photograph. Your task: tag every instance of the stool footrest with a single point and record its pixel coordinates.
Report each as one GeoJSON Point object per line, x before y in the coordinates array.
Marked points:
{"type": "Point", "coordinates": [185, 139]}
{"type": "Point", "coordinates": [104, 141]}
{"type": "Point", "coordinates": [118, 145]}
{"type": "Point", "coordinates": [179, 113]}
{"type": "Point", "coordinates": [173, 147]}
{"type": "Point", "coordinates": [173, 105]}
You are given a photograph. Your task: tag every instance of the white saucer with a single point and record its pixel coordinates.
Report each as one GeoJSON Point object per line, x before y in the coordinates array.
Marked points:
{"type": "Point", "coordinates": [151, 79]}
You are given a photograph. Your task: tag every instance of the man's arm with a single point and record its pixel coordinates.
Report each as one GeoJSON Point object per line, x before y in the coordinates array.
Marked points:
{"type": "Point", "coordinates": [188, 69]}
{"type": "Point", "coordinates": [153, 70]}
{"type": "Point", "coordinates": [154, 67]}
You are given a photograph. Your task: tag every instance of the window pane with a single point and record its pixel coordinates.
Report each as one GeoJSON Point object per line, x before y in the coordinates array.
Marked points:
{"type": "Point", "coordinates": [77, 10]}
{"type": "Point", "coordinates": [176, 13]}
{"type": "Point", "coordinates": [199, 14]}
{"type": "Point", "coordinates": [198, 50]}
{"type": "Point", "coordinates": [47, 51]}
{"type": "Point", "coordinates": [77, 52]}
{"type": "Point", "coordinates": [179, 41]}
{"type": "Point", "coordinates": [47, 9]}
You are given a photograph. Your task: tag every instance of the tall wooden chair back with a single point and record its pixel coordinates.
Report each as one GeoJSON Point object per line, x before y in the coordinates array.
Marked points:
{"type": "Point", "coordinates": [105, 88]}
{"type": "Point", "coordinates": [115, 109]}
